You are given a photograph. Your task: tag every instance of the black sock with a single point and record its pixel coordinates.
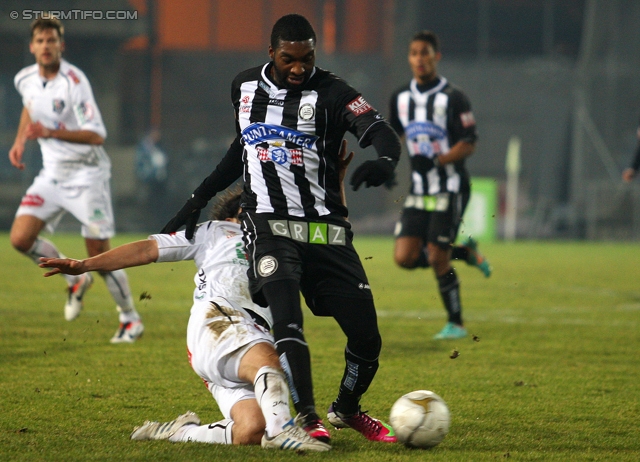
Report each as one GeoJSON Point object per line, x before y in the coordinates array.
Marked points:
{"type": "Point", "coordinates": [459, 252]}
{"type": "Point", "coordinates": [450, 292]}
{"type": "Point", "coordinates": [358, 375]}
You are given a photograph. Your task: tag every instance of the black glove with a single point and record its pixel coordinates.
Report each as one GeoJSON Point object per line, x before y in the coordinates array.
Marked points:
{"type": "Point", "coordinates": [188, 216]}
{"type": "Point", "coordinates": [373, 172]}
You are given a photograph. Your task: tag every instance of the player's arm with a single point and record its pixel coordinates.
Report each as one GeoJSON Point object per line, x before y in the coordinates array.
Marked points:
{"type": "Point", "coordinates": [629, 173]}
{"type": "Point", "coordinates": [125, 256]}
{"type": "Point", "coordinates": [372, 129]}
{"type": "Point", "coordinates": [343, 162]}
{"type": "Point", "coordinates": [17, 150]}
{"type": "Point", "coordinates": [37, 130]}
{"type": "Point", "coordinates": [460, 150]}
{"type": "Point", "coordinates": [463, 129]}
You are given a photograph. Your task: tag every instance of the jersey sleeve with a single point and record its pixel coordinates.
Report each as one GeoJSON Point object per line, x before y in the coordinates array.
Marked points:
{"type": "Point", "coordinates": [394, 120]}
{"type": "Point", "coordinates": [463, 124]}
{"type": "Point", "coordinates": [85, 108]}
{"type": "Point", "coordinates": [635, 162]}
{"type": "Point", "coordinates": [176, 247]}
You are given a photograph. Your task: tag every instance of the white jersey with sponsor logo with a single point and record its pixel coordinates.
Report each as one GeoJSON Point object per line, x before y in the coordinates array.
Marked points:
{"type": "Point", "coordinates": [65, 102]}
{"type": "Point", "coordinates": [218, 252]}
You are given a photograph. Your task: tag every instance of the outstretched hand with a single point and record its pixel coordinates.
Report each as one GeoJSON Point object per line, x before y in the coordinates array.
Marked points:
{"type": "Point", "coordinates": [61, 266]}
{"type": "Point", "coordinates": [188, 215]}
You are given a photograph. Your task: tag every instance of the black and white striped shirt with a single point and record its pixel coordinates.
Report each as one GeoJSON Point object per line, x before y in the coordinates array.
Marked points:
{"type": "Point", "coordinates": [433, 118]}
{"type": "Point", "coordinates": [291, 140]}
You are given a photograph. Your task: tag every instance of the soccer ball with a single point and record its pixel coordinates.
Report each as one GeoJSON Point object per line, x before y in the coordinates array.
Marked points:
{"type": "Point", "coordinates": [420, 419]}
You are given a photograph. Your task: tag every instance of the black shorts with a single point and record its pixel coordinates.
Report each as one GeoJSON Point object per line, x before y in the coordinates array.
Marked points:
{"type": "Point", "coordinates": [318, 255]}
{"type": "Point", "coordinates": [440, 227]}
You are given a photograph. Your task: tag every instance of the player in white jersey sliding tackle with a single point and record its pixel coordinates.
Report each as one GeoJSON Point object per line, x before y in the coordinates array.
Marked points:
{"type": "Point", "coordinates": [61, 113]}
{"type": "Point", "coordinates": [228, 341]}
{"type": "Point", "coordinates": [228, 337]}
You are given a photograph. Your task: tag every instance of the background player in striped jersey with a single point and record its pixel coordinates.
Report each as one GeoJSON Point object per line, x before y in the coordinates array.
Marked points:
{"type": "Point", "coordinates": [291, 118]}
{"type": "Point", "coordinates": [61, 113]}
{"type": "Point", "coordinates": [436, 121]}
{"type": "Point", "coordinates": [629, 173]}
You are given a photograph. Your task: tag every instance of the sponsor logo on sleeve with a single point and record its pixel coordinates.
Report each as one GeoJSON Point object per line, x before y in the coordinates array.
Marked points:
{"type": "Point", "coordinates": [73, 76]}
{"type": "Point", "coordinates": [84, 112]}
{"type": "Point", "coordinates": [32, 200]}
{"type": "Point", "coordinates": [359, 106]}
{"type": "Point", "coordinates": [467, 119]}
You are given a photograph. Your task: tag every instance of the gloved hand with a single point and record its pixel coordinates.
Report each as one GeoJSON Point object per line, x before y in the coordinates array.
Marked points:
{"type": "Point", "coordinates": [373, 172]}
{"type": "Point", "coordinates": [188, 215]}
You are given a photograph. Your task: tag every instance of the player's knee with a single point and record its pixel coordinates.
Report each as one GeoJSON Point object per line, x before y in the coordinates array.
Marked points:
{"type": "Point", "coordinates": [21, 242]}
{"type": "Point", "coordinates": [405, 260]}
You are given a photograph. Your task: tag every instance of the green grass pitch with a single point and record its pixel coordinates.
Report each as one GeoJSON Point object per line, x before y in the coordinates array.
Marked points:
{"type": "Point", "coordinates": [553, 373]}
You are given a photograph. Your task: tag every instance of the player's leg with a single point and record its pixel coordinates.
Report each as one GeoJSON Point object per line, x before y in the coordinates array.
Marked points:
{"type": "Point", "coordinates": [409, 251]}
{"type": "Point", "coordinates": [92, 207]}
{"type": "Point", "coordinates": [338, 287]}
{"type": "Point", "coordinates": [283, 297]}
{"type": "Point", "coordinates": [39, 208]}
{"type": "Point", "coordinates": [442, 232]}
{"type": "Point", "coordinates": [130, 327]}
{"type": "Point", "coordinates": [274, 275]}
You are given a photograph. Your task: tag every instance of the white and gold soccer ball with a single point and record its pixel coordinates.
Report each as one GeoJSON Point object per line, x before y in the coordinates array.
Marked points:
{"type": "Point", "coordinates": [420, 419]}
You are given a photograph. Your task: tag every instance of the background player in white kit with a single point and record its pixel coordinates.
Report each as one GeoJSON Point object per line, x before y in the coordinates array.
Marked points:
{"type": "Point", "coordinates": [228, 338]}
{"type": "Point", "coordinates": [61, 113]}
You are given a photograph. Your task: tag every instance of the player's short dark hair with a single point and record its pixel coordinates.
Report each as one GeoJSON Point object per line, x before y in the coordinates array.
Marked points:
{"type": "Point", "coordinates": [429, 37]}
{"type": "Point", "coordinates": [227, 204]}
{"type": "Point", "coordinates": [292, 28]}
{"type": "Point", "coordinates": [46, 21]}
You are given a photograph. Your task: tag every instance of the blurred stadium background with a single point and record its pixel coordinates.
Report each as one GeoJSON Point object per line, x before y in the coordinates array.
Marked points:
{"type": "Point", "coordinates": [560, 75]}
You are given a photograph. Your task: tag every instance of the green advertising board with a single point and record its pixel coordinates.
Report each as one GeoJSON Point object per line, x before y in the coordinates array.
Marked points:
{"type": "Point", "coordinates": [479, 219]}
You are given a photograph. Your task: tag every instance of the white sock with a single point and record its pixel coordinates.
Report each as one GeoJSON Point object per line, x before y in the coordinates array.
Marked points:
{"type": "Point", "coordinates": [272, 393]}
{"type": "Point", "coordinates": [118, 285]}
{"type": "Point", "coordinates": [215, 433]}
{"type": "Point", "coordinates": [45, 248]}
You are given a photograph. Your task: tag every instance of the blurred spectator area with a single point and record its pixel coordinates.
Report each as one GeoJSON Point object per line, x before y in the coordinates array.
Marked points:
{"type": "Point", "coordinates": [530, 67]}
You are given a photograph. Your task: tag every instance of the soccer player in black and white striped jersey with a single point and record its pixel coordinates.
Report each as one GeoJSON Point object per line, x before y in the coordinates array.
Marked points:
{"type": "Point", "coordinates": [291, 117]}
{"type": "Point", "coordinates": [436, 121]}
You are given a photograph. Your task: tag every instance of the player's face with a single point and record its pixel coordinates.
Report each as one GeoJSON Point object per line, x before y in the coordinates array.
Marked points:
{"type": "Point", "coordinates": [423, 61]}
{"type": "Point", "coordinates": [293, 63]}
{"type": "Point", "coordinates": [47, 48]}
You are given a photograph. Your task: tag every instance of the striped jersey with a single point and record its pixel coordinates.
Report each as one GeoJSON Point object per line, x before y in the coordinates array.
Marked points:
{"type": "Point", "coordinates": [65, 102]}
{"type": "Point", "coordinates": [433, 118]}
{"type": "Point", "coordinates": [292, 138]}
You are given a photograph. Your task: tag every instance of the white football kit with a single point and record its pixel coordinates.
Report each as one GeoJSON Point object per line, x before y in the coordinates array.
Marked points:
{"type": "Point", "coordinates": [75, 177]}
{"type": "Point", "coordinates": [221, 329]}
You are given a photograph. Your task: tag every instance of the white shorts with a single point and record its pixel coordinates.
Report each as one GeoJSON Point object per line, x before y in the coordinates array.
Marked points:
{"type": "Point", "coordinates": [90, 204]}
{"type": "Point", "coordinates": [217, 340]}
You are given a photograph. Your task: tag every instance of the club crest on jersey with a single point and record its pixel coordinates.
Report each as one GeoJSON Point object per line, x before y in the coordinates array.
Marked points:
{"type": "Point", "coordinates": [267, 266]}
{"type": "Point", "coordinates": [58, 106]}
{"type": "Point", "coordinates": [280, 155]}
{"type": "Point", "coordinates": [306, 112]}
